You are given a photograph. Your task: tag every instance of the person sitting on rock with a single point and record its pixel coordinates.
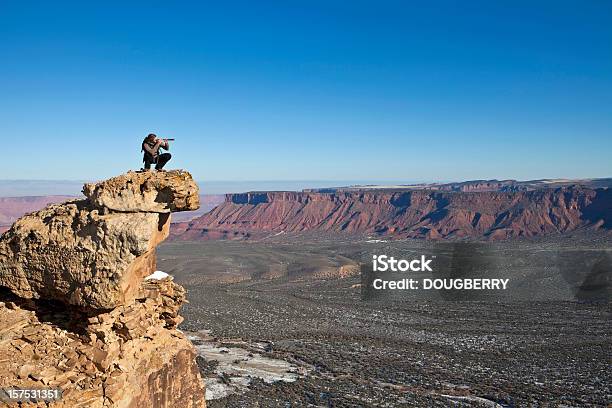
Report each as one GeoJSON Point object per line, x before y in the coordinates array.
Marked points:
{"type": "Point", "coordinates": [150, 146]}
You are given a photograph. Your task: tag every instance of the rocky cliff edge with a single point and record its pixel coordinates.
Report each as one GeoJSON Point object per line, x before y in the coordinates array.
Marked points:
{"type": "Point", "coordinates": [77, 309]}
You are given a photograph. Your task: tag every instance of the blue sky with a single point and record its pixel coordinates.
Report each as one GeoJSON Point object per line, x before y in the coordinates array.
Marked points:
{"type": "Point", "coordinates": [317, 90]}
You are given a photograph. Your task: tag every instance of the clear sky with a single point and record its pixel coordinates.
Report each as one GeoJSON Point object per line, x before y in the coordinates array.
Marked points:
{"type": "Point", "coordinates": [312, 90]}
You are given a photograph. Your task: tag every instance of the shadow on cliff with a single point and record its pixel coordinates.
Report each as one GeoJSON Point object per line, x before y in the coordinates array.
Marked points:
{"type": "Point", "coordinates": [54, 313]}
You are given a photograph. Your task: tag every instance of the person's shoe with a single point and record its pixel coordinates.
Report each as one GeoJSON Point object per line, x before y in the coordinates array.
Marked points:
{"type": "Point", "coordinates": [162, 170]}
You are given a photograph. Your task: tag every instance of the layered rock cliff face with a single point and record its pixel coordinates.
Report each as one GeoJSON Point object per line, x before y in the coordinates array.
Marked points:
{"type": "Point", "coordinates": [406, 214]}
{"type": "Point", "coordinates": [76, 311]}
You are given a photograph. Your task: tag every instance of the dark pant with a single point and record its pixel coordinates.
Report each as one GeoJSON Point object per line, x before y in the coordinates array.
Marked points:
{"type": "Point", "coordinates": [161, 161]}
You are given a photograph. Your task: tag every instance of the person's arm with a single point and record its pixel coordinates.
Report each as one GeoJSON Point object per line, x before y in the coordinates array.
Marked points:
{"type": "Point", "coordinates": [152, 150]}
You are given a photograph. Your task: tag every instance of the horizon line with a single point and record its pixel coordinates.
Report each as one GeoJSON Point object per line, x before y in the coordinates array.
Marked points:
{"type": "Point", "coordinates": [337, 180]}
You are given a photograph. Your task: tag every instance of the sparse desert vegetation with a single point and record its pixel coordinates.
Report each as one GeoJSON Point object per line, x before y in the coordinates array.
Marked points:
{"type": "Point", "coordinates": [372, 353]}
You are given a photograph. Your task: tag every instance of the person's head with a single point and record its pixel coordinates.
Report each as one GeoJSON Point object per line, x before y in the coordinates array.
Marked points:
{"type": "Point", "coordinates": [151, 137]}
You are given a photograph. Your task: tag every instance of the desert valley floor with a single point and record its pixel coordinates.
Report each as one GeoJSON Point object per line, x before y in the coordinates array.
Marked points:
{"type": "Point", "coordinates": [290, 309]}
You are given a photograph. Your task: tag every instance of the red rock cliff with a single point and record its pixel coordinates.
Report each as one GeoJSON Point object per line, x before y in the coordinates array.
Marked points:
{"type": "Point", "coordinates": [401, 214]}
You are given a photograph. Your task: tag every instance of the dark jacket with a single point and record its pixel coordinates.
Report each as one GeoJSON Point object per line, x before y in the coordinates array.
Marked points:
{"type": "Point", "coordinates": [151, 151]}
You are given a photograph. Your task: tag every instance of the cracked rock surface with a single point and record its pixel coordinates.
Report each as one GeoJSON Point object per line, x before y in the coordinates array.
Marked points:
{"type": "Point", "coordinates": [75, 310]}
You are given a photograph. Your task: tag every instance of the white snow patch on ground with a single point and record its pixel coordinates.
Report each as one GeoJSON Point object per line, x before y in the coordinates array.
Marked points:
{"type": "Point", "coordinates": [471, 398]}
{"type": "Point", "coordinates": [157, 275]}
{"type": "Point", "coordinates": [240, 365]}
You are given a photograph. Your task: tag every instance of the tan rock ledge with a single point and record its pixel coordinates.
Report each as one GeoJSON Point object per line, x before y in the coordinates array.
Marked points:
{"type": "Point", "coordinates": [90, 256]}
{"type": "Point", "coordinates": [160, 192]}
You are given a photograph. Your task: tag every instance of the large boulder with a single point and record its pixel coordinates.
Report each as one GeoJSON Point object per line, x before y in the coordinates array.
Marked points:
{"type": "Point", "coordinates": [160, 192]}
{"type": "Point", "coordinates": [90, 253]}
{"type": "Point", "coordinates": [72, 253]}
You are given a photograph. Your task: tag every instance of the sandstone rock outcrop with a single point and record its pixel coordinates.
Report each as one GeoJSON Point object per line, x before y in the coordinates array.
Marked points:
{"type": "Point", "coordinates": [149, 192]}
{"type": "Point", "coordinates": [73, 253]}
{"type": "Point", "coordinates": [88, 254]}
{"type": "Point", "coordinates": [490, 215]}
{"type": "Point", "coordinates": [76, 311]}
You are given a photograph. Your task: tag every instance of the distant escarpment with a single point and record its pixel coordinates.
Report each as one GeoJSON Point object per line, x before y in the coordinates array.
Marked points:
{"type": "Point", "coordinates": [490, 215]}
{"type": "Point", "coordinates": [81, 307]}
{"type": "Point", "coordinates": [479, 185]}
